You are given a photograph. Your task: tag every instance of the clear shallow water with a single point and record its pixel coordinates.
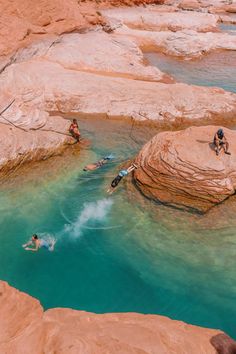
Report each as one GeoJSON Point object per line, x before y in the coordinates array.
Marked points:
{"type": "Point", "coordinates": [217, 69]}
{"type": "Point", "coordinates": [118, 253]}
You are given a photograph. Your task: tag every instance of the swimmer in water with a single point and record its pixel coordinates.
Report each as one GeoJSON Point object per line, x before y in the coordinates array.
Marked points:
{"type": "Point", "coordinates": [98, 164]}
{"type": "Point", "coordinates": [119, 177]}
{"type": "Point", "coordinates": [37, 243]}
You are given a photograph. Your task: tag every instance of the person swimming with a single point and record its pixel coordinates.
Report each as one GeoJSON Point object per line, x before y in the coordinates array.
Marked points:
{"type": "Point", "coordinates": [98, 164]}
{"type": "Point", "coordinates": [37, 243]}
{"type": "Point", "coordinates": [119, 177]}
{"type": "Point", "coordinates": [220, 142]}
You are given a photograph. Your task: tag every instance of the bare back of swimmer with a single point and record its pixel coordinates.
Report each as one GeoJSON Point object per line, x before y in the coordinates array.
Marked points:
{"type": "Point", "coordinates": [98, 164]}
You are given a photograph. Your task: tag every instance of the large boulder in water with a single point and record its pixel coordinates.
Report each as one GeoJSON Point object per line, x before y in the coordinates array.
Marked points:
{"type": "Point", "coordinates": [181, 168]}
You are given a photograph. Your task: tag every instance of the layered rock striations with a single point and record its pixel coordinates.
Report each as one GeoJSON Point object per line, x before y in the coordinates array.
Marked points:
{"type": "Point", "coordinates": [181, 168]}
{"type": "Point", "coordinates": [26, 328]}
{"type": "Point", "coordinates": [182, 34]}
{"type": "Point", "coordinates": [100, 69]}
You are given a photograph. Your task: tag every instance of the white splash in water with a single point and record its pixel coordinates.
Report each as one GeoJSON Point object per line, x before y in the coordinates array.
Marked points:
{"type": "Point", "coordinates": [91, 211]}
{"type": "Point", "coordinates": [50, 239]}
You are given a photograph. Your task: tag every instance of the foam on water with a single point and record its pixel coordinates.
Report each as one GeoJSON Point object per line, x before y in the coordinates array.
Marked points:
{"type": "Point", "coordinates": [93, 211]}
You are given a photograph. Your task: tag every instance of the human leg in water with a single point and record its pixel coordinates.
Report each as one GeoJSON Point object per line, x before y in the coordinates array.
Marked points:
{"type": "Point", "coordinates": [48, 244]}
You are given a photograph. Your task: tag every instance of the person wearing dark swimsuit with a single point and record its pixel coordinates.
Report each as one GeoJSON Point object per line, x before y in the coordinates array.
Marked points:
{"type": "Point", "coordinates": [119, 177]}
{"type": "Point", "coordinates": [220, 142]}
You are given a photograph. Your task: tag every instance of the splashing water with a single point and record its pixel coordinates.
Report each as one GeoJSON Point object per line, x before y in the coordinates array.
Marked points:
{"type": "Point", "coordinates": [96, 211]}
{"type": "Point", "coordinates": [50, 239]}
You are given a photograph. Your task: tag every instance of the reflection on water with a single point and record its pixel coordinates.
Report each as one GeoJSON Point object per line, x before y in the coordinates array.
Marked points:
{"type": "Point", "coordinates": [121, 252]}
{"type": "Point", "coordinates": [217, 69]}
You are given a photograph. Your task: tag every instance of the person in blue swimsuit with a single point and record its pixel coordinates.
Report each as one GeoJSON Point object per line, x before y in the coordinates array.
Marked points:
{"type": "Point", "coordinates": [37, 243]}
{"type": "Point", "coordinates": [119, 177]}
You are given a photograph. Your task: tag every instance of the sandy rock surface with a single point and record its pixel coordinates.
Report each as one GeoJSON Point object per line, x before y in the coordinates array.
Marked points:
{"type": "Point", "coordinates": [96, 72]}
{"type": "Point", "coordinates": [186, 44]}
{"type": "Point", "coordinates": [181, 168]}
{"type": "Point", "coordinates": [174, 33]}
{"type": "Point", "coordinates": [148, 18]}
{"type": "Point", "coordinates": [112, 96]}
{"type": "Point", "coordinates": [22, 20]}
{"type": "Point", "coordinates": [25, 328]}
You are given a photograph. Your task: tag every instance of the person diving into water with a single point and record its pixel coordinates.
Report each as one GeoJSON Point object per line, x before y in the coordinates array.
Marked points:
{"type": "Point", "coordinates": [37, 243]}
{"type": "Point", "coordinates": [119, 177]}
{"type": "Point", "coordinates": [98, 164]}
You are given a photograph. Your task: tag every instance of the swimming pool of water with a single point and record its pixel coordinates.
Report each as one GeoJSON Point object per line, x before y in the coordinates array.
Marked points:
{"type": "Point", "coordinates": [216, 69]}
{"type": "Point", "coordinates": [116, 253]}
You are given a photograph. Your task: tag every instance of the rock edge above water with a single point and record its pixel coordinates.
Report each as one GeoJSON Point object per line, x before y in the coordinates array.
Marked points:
{"type": "Point", "coordinates": [26, 328]}
{"type": "Point", "coordinates": [181, 168]}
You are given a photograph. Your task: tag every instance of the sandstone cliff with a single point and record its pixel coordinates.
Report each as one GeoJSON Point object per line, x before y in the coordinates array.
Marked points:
{"type": "Point", "coordinates": [181, 168]}
{"type": "Point", "coordinates": [26, 328]}
{"type": "Point", "coordinates": [98, 69]}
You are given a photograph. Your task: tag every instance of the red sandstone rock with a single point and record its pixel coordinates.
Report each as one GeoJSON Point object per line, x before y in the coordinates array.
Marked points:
{"type": "Point", "coordinates": [20, 19]}
{"type": "Point", "coordinates": [24, 328]}
{"type": "Point", "coordinates": [181, 168]}
{"type": "Point", "coordinates": [190, 5]}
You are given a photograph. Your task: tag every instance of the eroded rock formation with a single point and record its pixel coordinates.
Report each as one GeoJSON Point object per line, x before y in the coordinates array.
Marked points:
{"type": "Point", "coordinates": [46, 70]}
{"type": "Point", "coordinates": [26, 328]}
{"type": "Point", "coordinates": [181, 168]}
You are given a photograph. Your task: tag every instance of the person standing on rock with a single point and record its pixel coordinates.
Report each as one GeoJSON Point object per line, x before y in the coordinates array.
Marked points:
{"type": "Point", "coordinates": [220, 142]}
{"type": "Point", "coordinates": [74, 130]}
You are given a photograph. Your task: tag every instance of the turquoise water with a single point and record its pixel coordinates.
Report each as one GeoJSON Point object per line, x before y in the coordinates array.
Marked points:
{"type": "Point", "coordinates": [121, 252]}
{"type": "Point", "coordinates": [217, 69]}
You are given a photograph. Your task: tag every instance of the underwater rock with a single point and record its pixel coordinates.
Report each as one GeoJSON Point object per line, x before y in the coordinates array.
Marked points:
{"type": "Point", "coordinates": [25, 328]}
{"type": "Point", "coordinates": [181, 168]}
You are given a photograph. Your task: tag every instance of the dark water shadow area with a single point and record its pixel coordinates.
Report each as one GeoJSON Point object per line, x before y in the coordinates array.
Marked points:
{"type": "Point", "coordinates": [217, 69]}
{"type": "Point", "coordinates": [121, 252]}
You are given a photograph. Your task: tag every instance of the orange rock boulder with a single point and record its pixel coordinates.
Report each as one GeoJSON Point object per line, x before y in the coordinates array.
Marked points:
{"type": "Point", "coordinates": [181, 168]}
{"type": "Point", "coordinates": [25, 328]}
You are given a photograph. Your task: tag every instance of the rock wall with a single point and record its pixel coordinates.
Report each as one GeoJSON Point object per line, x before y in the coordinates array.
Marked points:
{"type": "Point", "coordinates": [181, 168]}
{"type": "Point", "coordinates": [26, 328]}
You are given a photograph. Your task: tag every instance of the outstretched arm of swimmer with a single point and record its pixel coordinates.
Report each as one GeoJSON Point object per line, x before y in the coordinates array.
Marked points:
{"type": "Point", "coordinates": [32, 249]}
{"type": "Point", "coordinates": [27, 244]}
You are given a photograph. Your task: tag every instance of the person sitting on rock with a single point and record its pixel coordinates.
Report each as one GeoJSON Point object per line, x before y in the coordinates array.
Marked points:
{"type": "Point", "coordinates": [220, 142]}
{"type": "Point", "coordinates": [119, 177]}
{"type": "Point", "coordinates": [74, 130]}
